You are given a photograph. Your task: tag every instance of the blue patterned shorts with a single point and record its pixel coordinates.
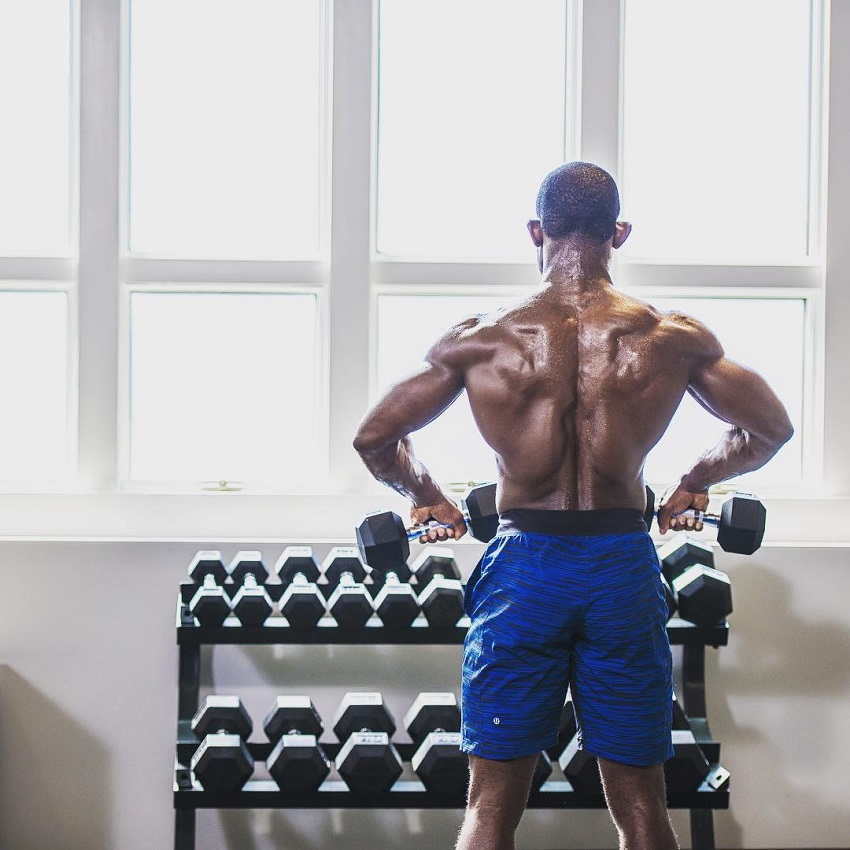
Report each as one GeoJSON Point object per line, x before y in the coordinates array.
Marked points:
{"type": "Point", "coordinates": [552, 610]}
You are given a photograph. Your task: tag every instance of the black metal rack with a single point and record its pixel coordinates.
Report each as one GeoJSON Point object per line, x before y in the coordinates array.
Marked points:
{"type": "Point", "coordinates": [189, 796]}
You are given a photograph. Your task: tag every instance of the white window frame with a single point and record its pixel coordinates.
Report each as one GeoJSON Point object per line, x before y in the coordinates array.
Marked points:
{"type": "Point", "coordinates": [350, 275]}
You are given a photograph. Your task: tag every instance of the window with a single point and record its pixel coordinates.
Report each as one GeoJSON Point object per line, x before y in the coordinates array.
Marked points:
{"type": "Point", "coordinates": [226, 128]}
{"type": "Point", "coordinates": [471, 114]}
{"type": "Point", "coordinates": [36, 143]}
{"type": "Point", "coordinates": [716, 155]}
{"type": "Point", "coordinates": [322, 188]}
{"type": "Point", "coordinates": [223, 387]}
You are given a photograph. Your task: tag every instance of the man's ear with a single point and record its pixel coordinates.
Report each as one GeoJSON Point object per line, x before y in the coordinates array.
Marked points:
{"type": "Point", "coordinates": [622, 229]}
{"type": "Point", "coordinates": [535, 229]}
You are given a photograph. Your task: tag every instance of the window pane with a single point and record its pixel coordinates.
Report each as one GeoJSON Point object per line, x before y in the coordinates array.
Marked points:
{"type": "Point", "coordinates": [35, 102]}
{"type": "Point", "coordinates": [471, 118]}
{"type": "Point", "coordinates": [223, 387]}
{"type": "Point", "coordinates": [716, 129]}
{"type": "Point", "coordinates": [408, 325]}
{"type": "Point", "coordinates": [765, 334]}
{"type": "Point", "coordinates": [34, 386]}
{"type": "Point", "coordinates": [225, 129]}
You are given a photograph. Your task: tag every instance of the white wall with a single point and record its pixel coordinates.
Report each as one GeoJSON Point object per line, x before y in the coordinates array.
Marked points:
{"type": "Point", "coordinates": [88, 706]}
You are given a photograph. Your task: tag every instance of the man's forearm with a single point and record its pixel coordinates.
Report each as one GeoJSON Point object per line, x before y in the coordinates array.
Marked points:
{"type": "Point", "coordinates": [398, 467]}
{"type": "Point", "coordinates": [737, 452]}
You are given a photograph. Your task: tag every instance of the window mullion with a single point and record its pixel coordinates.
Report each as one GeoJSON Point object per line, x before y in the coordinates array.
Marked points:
{"type": "Point", "coordinates": [100, 34]}
{"type": "Point", "coordinates": [349, 314]}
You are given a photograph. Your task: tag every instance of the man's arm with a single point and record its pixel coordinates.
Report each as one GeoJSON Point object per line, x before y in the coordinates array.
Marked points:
{"type": "Point", "coordinates": [760, 427]}
{"type": "Point", "coordinates": [383, 438]}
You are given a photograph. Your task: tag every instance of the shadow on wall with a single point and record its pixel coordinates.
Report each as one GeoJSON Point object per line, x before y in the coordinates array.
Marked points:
{"type": "Point", "coordinates": [54, 774]}
{"type": "Point", "coordinates": [803, 662]}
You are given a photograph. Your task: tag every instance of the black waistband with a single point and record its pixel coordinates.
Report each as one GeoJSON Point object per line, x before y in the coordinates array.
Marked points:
{"type": "Point", "coordinates": [571, 523]}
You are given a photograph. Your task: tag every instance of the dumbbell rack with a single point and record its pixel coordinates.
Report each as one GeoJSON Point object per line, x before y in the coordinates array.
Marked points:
{"type": "Point", "coordinates": [405, 794]}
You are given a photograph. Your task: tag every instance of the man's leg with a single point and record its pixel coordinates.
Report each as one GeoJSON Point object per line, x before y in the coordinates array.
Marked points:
{"type": "Point", "coordinates": [638, 805]}
{"type": "Point", "coordinates": [498, 792]}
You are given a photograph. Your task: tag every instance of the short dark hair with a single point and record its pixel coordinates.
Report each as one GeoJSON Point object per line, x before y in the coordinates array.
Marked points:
{"type": "Point", "coordinates": [580, 198]}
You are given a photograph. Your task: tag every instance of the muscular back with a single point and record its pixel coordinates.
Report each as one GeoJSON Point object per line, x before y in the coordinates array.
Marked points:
{"type": "Point", "coordinates": [571, 391]}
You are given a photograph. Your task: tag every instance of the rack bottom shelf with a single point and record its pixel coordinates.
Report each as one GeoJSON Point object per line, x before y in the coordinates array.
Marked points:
{"type": "Point", "coordinates": [265, 794]}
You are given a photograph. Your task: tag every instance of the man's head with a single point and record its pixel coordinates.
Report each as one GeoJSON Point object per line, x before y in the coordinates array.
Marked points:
{"type": "Point", "coordinates": [579, 200]}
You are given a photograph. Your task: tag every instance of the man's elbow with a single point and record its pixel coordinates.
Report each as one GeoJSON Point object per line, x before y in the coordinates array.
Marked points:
{"type": "Point", "coordinates": [781, 432]}
{"type": "Point", "coordinates": [368, 440]}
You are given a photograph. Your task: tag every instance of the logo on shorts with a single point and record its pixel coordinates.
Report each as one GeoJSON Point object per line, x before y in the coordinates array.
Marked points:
{"type": "Point", "coordinates": [496, 721]}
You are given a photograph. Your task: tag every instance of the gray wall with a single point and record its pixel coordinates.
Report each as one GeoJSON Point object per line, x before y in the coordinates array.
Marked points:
{"type": "Point", "coordinates": [88, 704]}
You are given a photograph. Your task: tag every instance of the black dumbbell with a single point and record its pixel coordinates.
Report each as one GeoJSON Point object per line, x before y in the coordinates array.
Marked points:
{"type": "Point", "coordinates": [442, 602]}
{"type": "Point", "coordinates": [222, 761]}
{"type": "Point", "coordinates": [350, 603]}
{"type": "Point", "coordinates": [567, 727]}
{"type": "Point", "coordinates": [302, 603]}
{"type": "Point", "coordinates": [740, 523]}
{"type": "Point", "coordinates": [210, 605]}
{"type": "Point", "coordinates": [542, 771]}
{"type": "Point", "coordinates": [669, 597]}
{"type": "Point", "coordinates": [384, 541]}
{"type": "Point", "coordinates": [441, 592]}
{"type": "Point", "coordinates": [433, 723]}
{"type": "Point", "coordinates": [681, 552]}
{"type": "Point", "coordinates": [395, 602]}
{"type": "Point", "coordinates": [368, 762]}
{"type": "Point", "coordinates": [297, 763]}
{"type": "Point", "coordinates": [703, 595]}
{"type": "Point", "coordinates": [251, 603]}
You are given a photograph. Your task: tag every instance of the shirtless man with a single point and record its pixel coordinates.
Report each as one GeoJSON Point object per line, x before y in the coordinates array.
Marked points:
{"type": "Point", "coordinates": [571, 388]}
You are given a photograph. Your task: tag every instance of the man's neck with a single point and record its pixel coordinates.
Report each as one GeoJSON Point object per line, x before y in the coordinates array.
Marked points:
{"type": "Point", "coordinates": [576, 264]}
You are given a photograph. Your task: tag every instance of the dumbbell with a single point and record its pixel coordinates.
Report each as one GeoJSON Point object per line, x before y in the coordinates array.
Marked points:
{"type": "Point", "coordinates": [740, 523]}
{"type": "Point", "coordinates": [222, 761]}
{"type": "Point", "coordinates": [210, 605]}
{"type": "Point", "coordinates": [302, 603]}
{"type": "Point", "coordinates": [706, 593]}
{"type": "Point", "coordinates": [433, 723]}
{"type": "Point", "coordinates": [384, 541]}
{"type": "Point", "coordinates": [297, 763]}
{"type": "Point", "coordinates": [350, 603]}
{"type": "Point", "coordinates": [441, 596]}
{"type": "Point", "coordinates": [581, 769]}
{"type": "Point", "coordinates": [368, 762]}
{"type": "Point", "coordinates": [251, 603]}
{"type": "Point", "coordinates": [395, 602]}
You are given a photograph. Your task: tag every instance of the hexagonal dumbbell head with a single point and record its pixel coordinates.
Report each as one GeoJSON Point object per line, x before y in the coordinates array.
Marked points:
{"type": "Point", "coordinates": [682, 552]}
{"type": "Point", "coordinates": [247, 563]}
{"type": "Point", "coordinates": [742, 522]}
{"type": "Point", "coordinates": [432, 712]}
{"type": "Point", "coordinates": [222, 713]}
{"type": "Point", "coordinates": [342, 560]}
{"type": "Point", "coordinates": [442, 602]}
{"type": "Point", "coordinates": [363, 711]}
{"type": "Point", "coordinates": [296, 560]}
{"type": "Point", "coordinates": [432, 561]}
{"type": "Point", "coordinates": [302, 603]}
{"type": "Point", "coordinates": [483, 516]}
{"type": "Point", "coordinates": [367, 761]}
{"type": "Point", "coordinates": [350, 604]}
{"type": "Point", "coordinates": [704, 595]}
{"type": "Point", "coordinates": [688, 768]}
{"type": "Point", "coordinates": [297, 763]}
{"type": "Point", "coordinates": [222, 761]}
{"type": "Point", "coordinates": [210, 604]}
{"type": "Point", "coordinates": [441, 766]}
{"type": "Point", "coordinates": [581, 769]}
{"type": "Point", "coordinates": [396, 603]}
{"type": "Point", "coordinates": [382, 541]}
{"type": "Point", "coordinates": [207, 562]}
{"type": "Point", "coordinates": [251, 604]}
